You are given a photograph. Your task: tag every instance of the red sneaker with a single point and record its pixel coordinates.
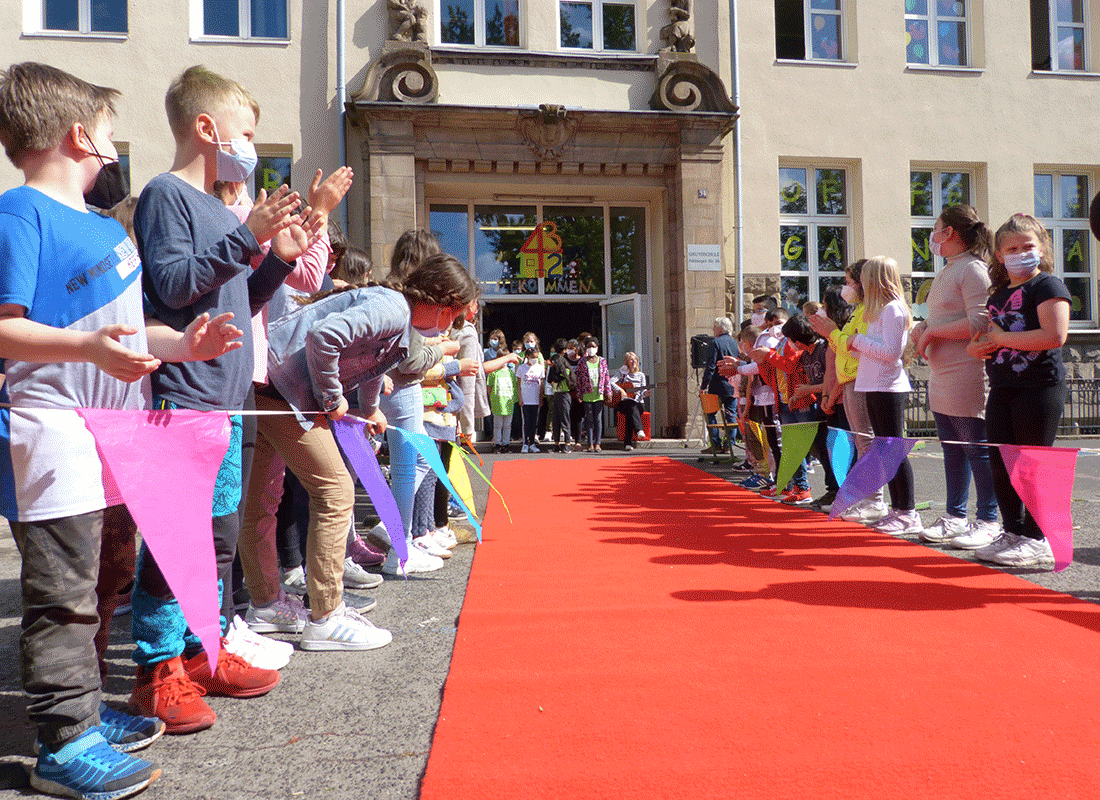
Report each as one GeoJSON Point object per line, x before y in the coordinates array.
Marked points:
{"type": "Point", "coordinates": [797, 497]}
{"type": "Point", "coordinates": [234, 676]}
{"type": "Point", "coordinates": [166, 692]}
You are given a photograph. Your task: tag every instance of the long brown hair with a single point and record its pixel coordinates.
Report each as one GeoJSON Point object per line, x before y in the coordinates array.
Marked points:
{"type": "Point", "coordinates": [1019, 223]}
{"type": "Point", "coordinates": [412, 249]}
{"type": "Point", "coordinates": [442, 280]}
{"type": "Point", "coordinates": [975, 234]}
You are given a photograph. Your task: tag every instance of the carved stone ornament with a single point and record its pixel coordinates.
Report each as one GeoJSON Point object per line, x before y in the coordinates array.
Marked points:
{"type": "Point", "coordinates": [548, 131]}
{"type": "Point", "coordinates": [402, 74]}
{"type": "Point", "coordinates": [409, 20]}
{"type": "Point", "coordinates": [687, 85]}
{"type": "Point", "coordinates": [679, 34]}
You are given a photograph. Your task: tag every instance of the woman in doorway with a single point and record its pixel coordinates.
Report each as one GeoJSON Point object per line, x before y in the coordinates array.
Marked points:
{"type": "Point", "coordinates": [593, 384]}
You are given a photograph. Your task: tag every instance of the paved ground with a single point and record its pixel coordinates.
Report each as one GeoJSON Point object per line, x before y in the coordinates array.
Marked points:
{"type": "Point", "coordinates": [352, 725]}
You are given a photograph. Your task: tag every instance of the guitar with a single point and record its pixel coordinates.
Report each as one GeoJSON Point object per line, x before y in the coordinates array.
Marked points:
{"type": "Point", "coordinates": [627, 386]}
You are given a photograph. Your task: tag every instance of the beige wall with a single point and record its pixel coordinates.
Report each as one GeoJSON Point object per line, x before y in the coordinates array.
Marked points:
{"type": "Point", "coordinates": [881, 117]}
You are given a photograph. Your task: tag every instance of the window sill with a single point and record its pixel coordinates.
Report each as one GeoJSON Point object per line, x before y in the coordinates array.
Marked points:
{"type": "Point", "coordinates": [943, 68]}
{"type": "Point", "coordinates": [1063, 74]}
{"type": "Point", "coordinates": [96, 35]}
{"type": "Point", "coordinates": [511, 57]}
{"type": "Point", "coordinates": [240, 40]}
{"type": "Point", "coordinates": [815, 62]}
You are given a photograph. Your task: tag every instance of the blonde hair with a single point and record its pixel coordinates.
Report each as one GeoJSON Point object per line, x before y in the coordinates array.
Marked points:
{"type": "Point", "coordinates": [881, 285]}
{"type": "Point", "coordinates": [202, 91]}
{"type": "Point", "coordinates": [1019, 223]}
{"type": "Point", "coordinates": [40, 103]}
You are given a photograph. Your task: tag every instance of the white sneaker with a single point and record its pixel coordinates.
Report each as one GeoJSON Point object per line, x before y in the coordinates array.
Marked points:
{"type": "Point", "coordinates": [535, 448]}
{"type": "Point", "coordinates": [419, 561]}
{"type": "Point", "coordinates": [944, 529]}
{"type": "Point", "coordinates": [294, 580]}
{"type": "Point", "coordinates": [430, 546]}
{"type": "Point", "coordinates": [285, 615]}
{"type": "Point", "coordinates": [546, 436]}
{"type": "Point", "coordinates": [1025, 552]}
{"type": "Point", "coordinates": [259, 651]}
{"type": "Point", "coordinates": [630, 447]}
{"type": "Point", "coordinates": [445, 537]}
{"type": "Point", "coordinates": [344, 629]}
{"type": "Point", "coordinates": [898, 523]}
{"type": "Point", "coordinates": [526, 448]}
{"type": "Point", "coordinates": [981, 534]}
{"type": "Point", "coordinates": [866, 513]}
{"type": "Point", "coordinates": [1002, 542]}
{"type": "Point", "coordinates": [355, 577]}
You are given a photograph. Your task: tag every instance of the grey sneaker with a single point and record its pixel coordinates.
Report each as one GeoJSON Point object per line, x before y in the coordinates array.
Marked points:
{"type": "Point", "coordinates": [1002, 542]}
{"type": "Point", "coordinates": [944, 529]}
{"type": "Point", "coordinates": [355, 577]}
{"type": "Point", "coordinates": [294, 580]}
{"type": "Point", "coordinates": [1025, 552]}
{"type": "Point", "coordinates": [981, 534]}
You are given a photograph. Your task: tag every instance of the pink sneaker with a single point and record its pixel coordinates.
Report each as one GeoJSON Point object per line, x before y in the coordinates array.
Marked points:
{"type": "Point", "coordinates": [363, 554]}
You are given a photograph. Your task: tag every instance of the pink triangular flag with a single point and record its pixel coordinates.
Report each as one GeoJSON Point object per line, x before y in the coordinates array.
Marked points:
{"type": "Point", "coordinates": [165, 464]}
{"type": "Point", "coordinates": [1043, 477]}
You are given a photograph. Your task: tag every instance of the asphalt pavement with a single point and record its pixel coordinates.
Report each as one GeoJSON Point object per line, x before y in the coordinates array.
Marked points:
{"type": "Point", "coordinates": [354, 725]}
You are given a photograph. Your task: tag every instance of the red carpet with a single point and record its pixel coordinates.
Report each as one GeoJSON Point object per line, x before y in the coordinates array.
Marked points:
{"type": "Point", "coordinates": [644, 630]}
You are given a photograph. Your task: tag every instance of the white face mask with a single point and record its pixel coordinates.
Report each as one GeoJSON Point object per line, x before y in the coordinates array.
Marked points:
{"type": "Point", "coordinates": [938, 240]}
{"type": "Point", "coordinates": [849, 294]}
{"type": "Point", "coordinates": [757, 319]}
{"type": "Point", "coordinates": [821, 313]}
{"type": "Point", "coordinates": [591, 351]}
{"type": "Point", "coordinates": [1020, 265]}
{"type": "Point", "coordinates": [236, 166]}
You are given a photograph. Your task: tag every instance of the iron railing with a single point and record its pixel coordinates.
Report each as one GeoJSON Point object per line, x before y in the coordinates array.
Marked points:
{"type": "Point", "coordinates": [1080, 418]}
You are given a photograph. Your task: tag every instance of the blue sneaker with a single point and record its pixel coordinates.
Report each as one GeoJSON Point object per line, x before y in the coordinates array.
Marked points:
{"type": "Point", "coordinates": [754, 482]}
{"type": "Point", "coordinates": [88, 768]}
{"type": "Point", "coordinates": [127, 733]}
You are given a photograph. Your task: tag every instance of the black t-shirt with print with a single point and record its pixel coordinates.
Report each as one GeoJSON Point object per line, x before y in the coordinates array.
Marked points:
{"type": "Point", "coordinates": [1016, 308]}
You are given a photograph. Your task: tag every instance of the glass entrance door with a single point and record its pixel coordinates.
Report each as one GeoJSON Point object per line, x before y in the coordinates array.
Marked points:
{"type": "Point", "coordinates": [622, 322]}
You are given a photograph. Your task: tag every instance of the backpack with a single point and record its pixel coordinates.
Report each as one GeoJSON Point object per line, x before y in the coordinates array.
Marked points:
{"type": "Point", "coordinates": [561, 371]}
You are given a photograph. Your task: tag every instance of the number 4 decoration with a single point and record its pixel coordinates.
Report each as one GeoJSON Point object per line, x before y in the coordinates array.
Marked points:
{"type": "Point", "coordinates": [540, 251]}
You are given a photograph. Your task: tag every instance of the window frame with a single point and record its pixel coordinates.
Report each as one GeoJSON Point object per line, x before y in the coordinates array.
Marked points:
{"type": "Point", "coordinates": [1057, 225]}
{"type": "Point", "coordinates": [933, 19]}
{"type": "Point", "coordinates": [34, 22]}
{"type": "Point", "coordinates": [929, 222]}
{"type": "Point", "coordinates": [244, 23]}
{"type": "Point", "coordinates": [808, 14]}
{"type": "Point", "coordinates": [1052, 36]}
{"type": "Point", "coordinates": [813, 221]}
{"type": "Point", "coordinates": [597, 27]}
{"type": "Point", "coordinates": [480, 25]}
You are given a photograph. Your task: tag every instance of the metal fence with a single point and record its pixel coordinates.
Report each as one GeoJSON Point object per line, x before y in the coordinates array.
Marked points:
{"type": "Point", "coordinates": [1080, 418]}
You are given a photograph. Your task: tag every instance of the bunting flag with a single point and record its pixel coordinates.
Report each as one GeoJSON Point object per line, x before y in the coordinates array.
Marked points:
{"type": "Point", "coordinates": [165, 464]}
{"type": "Point", "coordinates": [841, 446]}
{"type": "Point", "coordinates": [754, 442]}
{"type": "Point", "coordinates": [798, 437]}
{"type": "Point", "coordinates": [350, 433]}
{"type": "Point", "coordinates": [879, 464]}
{"type": "Point", "coordinates": [460, 478]}
{"type": "Point", "coordinates": [425, 445]}
{"type": "Point", "coordinates": [1043, 477]}
{"type": "Point", "coordinates": [473, 466]}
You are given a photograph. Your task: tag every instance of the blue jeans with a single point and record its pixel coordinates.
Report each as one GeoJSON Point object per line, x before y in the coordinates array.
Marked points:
{"type": "Point", "coordinates": [405, 409]}
{"type": "Point", "coordinates": [787, 416]}
{"type": "Point", "coordinates": [729, 405]}
{"type": "Point", "coordinates": [960, 462]}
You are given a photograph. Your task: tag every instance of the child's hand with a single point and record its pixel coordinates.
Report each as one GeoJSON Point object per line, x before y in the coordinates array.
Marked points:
{"type": "Point", "coordinates": [326, 195]}
{"type": "Point", "coordinates": [758, 354]}
{"type": "Point", "coordinates": [980, 347]}
{"type": "Point", "coordinates": [339, 411]}
{"type": "Point", "coordinates": [450, 347]}
{"type": "Point", "coordinates": [387, 384]}
{"type": "Point", "coordinates": [299, 236]}
{"type": "Point", "coordinates": [109, 355]}
{"type": "Point", "coordinates": [271, 213]}
{"type": "Point", "coordinates": [822, 326]}
{"type": "Point", "coordinates": [207, 338]}
{"type": "Point", "coordinates": [727, 366]}
{"type": "Point", "coordinates": [376, 423]}
{"type": "Point", "coordinates": [469, 367]}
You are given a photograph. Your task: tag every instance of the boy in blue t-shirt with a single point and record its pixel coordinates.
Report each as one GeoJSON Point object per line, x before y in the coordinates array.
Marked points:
{"type": "Point", "coordinates": [72, 335]}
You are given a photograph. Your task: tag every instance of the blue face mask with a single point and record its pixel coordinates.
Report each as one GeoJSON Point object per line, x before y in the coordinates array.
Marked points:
{"type": "Point", "coordinates": [1020, 265]}
{"type": "Point", "coordinates": [236, 166]}
{"type": "Point", "coordinates": [494, 343]}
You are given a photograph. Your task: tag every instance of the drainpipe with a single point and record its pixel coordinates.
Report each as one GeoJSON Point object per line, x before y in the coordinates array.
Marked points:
{"type": "Point", "coordinates": [738, 224]}
{"type": "Point", "coordinates": [341, 98]}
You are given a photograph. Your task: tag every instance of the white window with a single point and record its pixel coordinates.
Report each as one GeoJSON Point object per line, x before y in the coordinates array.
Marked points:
{"type": "Point", "coordinates": [809, 30]}
{"type": "Point", "coordinates": [1062, 205]}
{"type": "Point", "coordinates": [243, 19]}
{"type": "Point", "coordinates": [609, 25]}
{"type": "Point", "coordinates": [930, 192]}
{"type": "Point", "coordinates": [493, 23]}
{"type": "Point", "coordinates": [935, 32]}
{"type": "Point", "coordinates": [1058, 35]}
{"type": "Point", "coordinates": [814, 226]}
{"type": "Point", "coordinates": [76, 16]}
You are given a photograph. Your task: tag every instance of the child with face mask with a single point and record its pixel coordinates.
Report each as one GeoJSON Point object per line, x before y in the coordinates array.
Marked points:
{"type": "Point", "coordinates": [593, 384]}
{"type": "Point", "coordinates": [531, 373]}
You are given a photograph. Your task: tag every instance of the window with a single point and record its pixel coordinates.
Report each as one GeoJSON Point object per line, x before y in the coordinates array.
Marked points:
{"type": "Point", "coordinates": [1062, 205]}
{"type": "Point", "coordinates": [1058, 35]}
{"type": "Point", "coordinates": [272, 171]}
{"type": "Point", "coordinates": [245, 19]}
{"type": "Point", "coordinates": [479, 22]}
{"type": "Point", "coordinates": [594, 250]}
{"type": "Point", "coordinates": [83, 16]}
{"type": "Point", "coordinates": [813, 232]}
{"type": "Point", "coordinates": [935, 32]}
{"type": "Point", "coordinates": [597, 25]}
{"type": "Point", "coordinates": [930, 192]}
{"type": "Point", "coordinates": [817, 22]}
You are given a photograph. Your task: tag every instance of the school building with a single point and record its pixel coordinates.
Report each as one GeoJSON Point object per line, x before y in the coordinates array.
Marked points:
{"type": "Point", "coordinates": [635, 168]}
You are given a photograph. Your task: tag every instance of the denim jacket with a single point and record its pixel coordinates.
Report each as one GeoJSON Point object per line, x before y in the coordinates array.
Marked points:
{"type": "Point", "coordinates": [318, 352]}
